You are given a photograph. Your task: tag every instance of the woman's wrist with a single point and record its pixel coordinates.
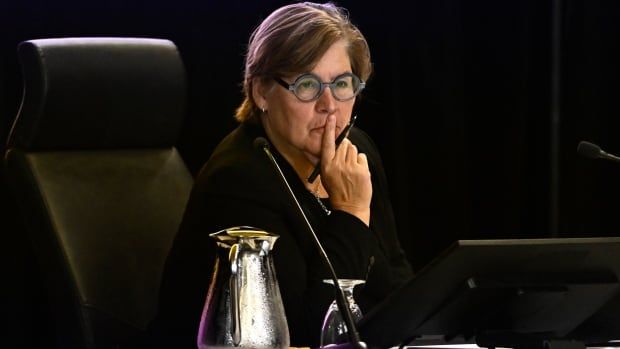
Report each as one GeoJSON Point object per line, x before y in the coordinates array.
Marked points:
{"type": "Point", "coordinates": [362, 213]}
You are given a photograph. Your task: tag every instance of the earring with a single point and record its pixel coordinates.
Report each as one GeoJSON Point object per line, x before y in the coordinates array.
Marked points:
{"type": "Point", "coordinates": [263, 110]}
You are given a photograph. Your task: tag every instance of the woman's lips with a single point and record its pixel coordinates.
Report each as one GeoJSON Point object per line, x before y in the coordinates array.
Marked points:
{"type": "Point", "coordinates": [322, 128]}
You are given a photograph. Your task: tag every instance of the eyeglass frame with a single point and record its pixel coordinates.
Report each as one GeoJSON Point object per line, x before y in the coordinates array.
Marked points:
{"type": "Point", "coordinates": [291, 87]}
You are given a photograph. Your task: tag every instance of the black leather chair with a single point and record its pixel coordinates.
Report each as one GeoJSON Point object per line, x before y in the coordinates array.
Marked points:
{"type": "Point", "coordinates": [92, 164]}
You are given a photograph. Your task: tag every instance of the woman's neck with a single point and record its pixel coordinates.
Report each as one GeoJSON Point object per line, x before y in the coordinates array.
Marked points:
{"type": "Point", "coordinates": [300, 164]}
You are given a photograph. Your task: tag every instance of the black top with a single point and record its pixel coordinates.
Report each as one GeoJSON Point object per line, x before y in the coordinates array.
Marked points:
{"type": "Point", "coordinates": [239, 186]}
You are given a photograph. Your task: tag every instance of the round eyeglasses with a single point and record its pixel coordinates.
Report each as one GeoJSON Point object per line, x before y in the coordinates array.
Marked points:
{"type": "Point", "coordinates": [308, 87]}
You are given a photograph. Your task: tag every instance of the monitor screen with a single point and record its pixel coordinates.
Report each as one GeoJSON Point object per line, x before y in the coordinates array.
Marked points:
{"type": "Point", "coordinates": [499, 290]}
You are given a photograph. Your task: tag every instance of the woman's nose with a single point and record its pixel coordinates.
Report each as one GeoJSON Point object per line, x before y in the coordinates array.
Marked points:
{"type": "Point", "coordinates": [326, 102]}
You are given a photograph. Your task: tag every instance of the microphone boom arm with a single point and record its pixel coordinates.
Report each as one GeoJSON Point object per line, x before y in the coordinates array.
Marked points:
{"type": "Point", "coordinates": [340, 297]}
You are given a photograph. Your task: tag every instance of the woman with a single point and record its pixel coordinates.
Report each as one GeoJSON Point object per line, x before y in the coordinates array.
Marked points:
{"type": "Point", "coordinates": [305, 65]}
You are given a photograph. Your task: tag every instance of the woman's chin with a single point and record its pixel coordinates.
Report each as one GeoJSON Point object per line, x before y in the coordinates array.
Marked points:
{"type": "Point", "coordinates": [312, 158]}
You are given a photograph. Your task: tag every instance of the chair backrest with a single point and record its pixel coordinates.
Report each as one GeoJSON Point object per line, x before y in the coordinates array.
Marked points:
{"type": "Point", "coordinates": [92, 164]}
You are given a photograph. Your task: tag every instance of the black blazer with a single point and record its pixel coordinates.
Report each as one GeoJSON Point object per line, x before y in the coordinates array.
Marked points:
{"type": "Point", "coordinates": [239, 186]}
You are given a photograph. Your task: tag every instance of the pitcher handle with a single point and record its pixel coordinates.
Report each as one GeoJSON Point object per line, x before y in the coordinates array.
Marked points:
{"type": "Point", "coordinates": [234, 294]}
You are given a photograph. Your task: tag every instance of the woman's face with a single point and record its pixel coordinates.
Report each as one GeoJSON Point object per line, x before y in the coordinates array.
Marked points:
{"type": "Point", "coordinates": [295, 127]}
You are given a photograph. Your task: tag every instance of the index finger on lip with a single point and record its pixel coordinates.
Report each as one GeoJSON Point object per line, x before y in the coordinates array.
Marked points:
{"type": "Point", "coordinates": [329, 145]}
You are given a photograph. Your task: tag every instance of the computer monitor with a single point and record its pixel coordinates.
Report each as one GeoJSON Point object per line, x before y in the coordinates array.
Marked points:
{"type": "Point", "coordinates": [502, 293]}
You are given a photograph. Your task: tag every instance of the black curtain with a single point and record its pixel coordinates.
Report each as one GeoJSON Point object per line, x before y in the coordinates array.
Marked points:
{"type": "Point", "coordinates": [589, 190]}
{"type": "Point", "coordinates": [461, 109]}
{"type": "Point", "coordinates": [459, 102]}
{"type": "Point", "coordinates": [459, 105]}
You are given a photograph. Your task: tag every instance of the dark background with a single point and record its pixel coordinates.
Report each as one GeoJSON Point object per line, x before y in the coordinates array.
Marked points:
{"type": "Point", "coordinates": [459, 105]}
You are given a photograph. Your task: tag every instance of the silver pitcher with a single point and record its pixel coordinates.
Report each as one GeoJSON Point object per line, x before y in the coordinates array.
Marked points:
{"type": "Point", "coordinates": [243, 308]}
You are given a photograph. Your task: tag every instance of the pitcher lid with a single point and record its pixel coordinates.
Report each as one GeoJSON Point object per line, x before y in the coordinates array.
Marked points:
{"type": "Point", "coordinates": [234, 233]}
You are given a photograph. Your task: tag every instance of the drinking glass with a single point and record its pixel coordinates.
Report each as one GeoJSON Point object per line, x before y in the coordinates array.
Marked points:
{"type": "Point", "coordinates": [334, 330]}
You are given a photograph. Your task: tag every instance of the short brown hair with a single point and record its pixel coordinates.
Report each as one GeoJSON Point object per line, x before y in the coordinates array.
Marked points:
{"type": "Point", "coordinates": [292, 40]}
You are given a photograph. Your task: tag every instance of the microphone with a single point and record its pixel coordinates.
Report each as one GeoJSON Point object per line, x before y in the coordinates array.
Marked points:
{"type": "Point", "coordinates": [354, 338]}
{"type": "Point", "coordinates": [593, 151]}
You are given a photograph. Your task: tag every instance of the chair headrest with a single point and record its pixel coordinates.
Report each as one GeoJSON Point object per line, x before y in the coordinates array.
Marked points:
{"type": "Point", "coordinates": [99, 93]}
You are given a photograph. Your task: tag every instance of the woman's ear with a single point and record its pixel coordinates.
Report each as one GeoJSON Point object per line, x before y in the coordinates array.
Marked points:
{"type": "Point", "coordinates": [258, 93]}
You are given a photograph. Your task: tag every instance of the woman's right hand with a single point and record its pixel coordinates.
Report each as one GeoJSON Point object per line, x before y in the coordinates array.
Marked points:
{"type": "Point", "coordinates": [345, 174]}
